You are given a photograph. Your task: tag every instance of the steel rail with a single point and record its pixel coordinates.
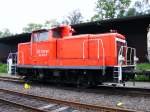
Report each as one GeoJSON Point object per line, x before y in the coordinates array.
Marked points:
{"type": "Point", "coordinates": [11, 79]}
{"type": "Point", "coordinates": [23, 106]}
{"type": "Point", "coordinates": [72, 104]}
{"type": "Point", "coordinates": [4, 77]}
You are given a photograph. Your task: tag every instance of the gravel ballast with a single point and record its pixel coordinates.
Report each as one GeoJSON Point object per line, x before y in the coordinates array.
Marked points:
{"type": "Point", "coordinates": [140, 103]}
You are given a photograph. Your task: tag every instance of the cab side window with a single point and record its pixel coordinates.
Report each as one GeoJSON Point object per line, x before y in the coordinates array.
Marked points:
{"type": "Point", "coordinates": [43, 36]}
{"type": "Point", "coordinates": [57, 33]}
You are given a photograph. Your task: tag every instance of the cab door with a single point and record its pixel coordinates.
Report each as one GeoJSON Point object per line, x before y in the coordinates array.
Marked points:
{"type": "Point", "coordinates": [40, 47]}
{"type": "Point", "coordinates": [33, 48]}
{"type": "Point", "coordinates": [96, 51]}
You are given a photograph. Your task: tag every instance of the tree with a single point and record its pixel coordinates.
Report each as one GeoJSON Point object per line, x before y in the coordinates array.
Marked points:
{"type": "Point", "coordinates": [51, 23]}
{"type": "Point", "coordinates": [132, 12]}
{"type": "Point", "coordinates": [146, 1]}
{"type": "Point", "coordinates": [107, 9]}
{"type": "Point", "coordinates": [31, 27]}
{"type": "Point", "coordinates": [139, 8]}
{"type": "Point", "coordinates": [74, 17]}
{"type": "Point", "coordinates": [5, 33]}
{"type": "Point", "coordinates": [143, 7]}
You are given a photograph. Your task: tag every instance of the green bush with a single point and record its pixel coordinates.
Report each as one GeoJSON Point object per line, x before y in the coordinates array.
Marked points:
{"type": "Point", "coordinates": [3, 68]}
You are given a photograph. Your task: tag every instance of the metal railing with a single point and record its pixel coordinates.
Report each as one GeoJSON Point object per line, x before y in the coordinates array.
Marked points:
{"type": "Point", "coordinates": [11, 63]}
{"type": "Point", "coordinates": [127, 55]}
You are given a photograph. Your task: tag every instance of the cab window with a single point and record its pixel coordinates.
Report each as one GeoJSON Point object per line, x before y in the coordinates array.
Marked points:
{"type": "Point", "coordinates": [57, 32]}
{"type": "Point", "coordinates": [40, 36]}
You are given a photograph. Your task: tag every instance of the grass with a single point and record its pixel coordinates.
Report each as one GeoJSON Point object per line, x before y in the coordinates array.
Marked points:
{"type": "Point", "coordinates": [3, 68]}
{"type": "Point", "coordinates": [142, 78]}
{"type": "Point", "coordinates": [143, 66]}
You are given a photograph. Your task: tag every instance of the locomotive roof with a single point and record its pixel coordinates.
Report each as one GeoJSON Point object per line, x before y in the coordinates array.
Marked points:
{"type": "Point", "coordinates": [40, 30]}
{"type": "Point", "coordinates": [55, 27]}
{"type": "Point", "coordinates": [101, 34]}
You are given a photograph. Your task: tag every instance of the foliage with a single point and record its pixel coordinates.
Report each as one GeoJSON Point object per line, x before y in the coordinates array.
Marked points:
{"type": "Point", "coordinates": [3, 68]}
{"type": "Point", "coordinates": [142, 7]}
{"type": "Point", "coordinates": [74, 17]}
{"type": "Point", "coordinates": [34, 26]}
{"type": "Point", "coordinates": [132, 12]}
{"type": "Point", "coordinates": [146, 1]}
{"type": "Point", "coordinates": [107, 9]}
{"type": "Point", "coordinates": [31, 27]}
{"type": "Point", "coordinates": [5, 33]}
{"type": "Point", "coordinates": [139, 8]}
{"type": "Point", "coordinates": [50, 23]}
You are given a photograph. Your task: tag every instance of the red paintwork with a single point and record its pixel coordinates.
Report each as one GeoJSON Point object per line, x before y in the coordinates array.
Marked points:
{"type": "Point", "coordinates": [68, 50]}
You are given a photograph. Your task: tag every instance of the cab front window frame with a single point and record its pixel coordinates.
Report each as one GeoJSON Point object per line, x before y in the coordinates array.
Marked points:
{"type": "Point", "coordinates": [40, 36]}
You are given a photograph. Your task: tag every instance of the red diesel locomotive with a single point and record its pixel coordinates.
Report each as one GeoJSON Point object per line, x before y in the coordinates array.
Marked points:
{"type": "Point", "coordinates": [87, 59]}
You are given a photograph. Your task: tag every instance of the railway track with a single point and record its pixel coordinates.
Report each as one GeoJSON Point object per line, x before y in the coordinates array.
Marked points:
{"type": "Point", "coordinates": [11, 79]}
{"type": "Point", "coordinates": [45, 104]}
{"type": "Point", "coordinates": [7, 107]}
{"type": "Point", "coordinates": [100, 89]}
{"type": "Point", "coordinates": [18, 105]}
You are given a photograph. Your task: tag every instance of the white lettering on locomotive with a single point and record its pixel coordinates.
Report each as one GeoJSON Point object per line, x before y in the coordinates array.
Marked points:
{"type": "Point", "coordinates": [42, 52]}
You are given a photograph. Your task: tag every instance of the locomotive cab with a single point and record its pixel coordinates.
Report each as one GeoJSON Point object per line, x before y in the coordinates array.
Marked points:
{"type": "Point", "coordinates": [57, 32]}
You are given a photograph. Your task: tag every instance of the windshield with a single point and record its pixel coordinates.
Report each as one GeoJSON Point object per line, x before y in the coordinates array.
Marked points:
{"type": "Point", "coordinates": [40, 36]}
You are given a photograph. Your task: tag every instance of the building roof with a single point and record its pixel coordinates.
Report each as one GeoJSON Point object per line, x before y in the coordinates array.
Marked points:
{"type": "Point", "coordinates": [126, 24]}
{"type": "Point", "coordinates": [14, 39]}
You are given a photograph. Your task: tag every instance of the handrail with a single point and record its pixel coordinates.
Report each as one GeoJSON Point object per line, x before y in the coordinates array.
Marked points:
{"type": "Point", "coordinates": [13, 55]}
{"type": "Point", "coordinates": [11, 62]}
{"type": "Point", "coordinates": [130, 57]}
{"type": "Point", "coordinates": [98, 50]}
